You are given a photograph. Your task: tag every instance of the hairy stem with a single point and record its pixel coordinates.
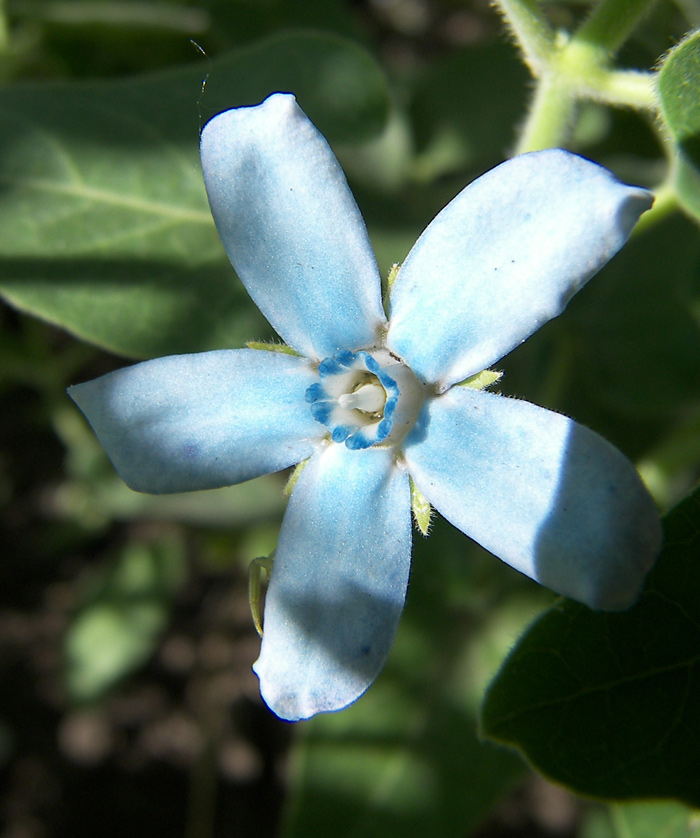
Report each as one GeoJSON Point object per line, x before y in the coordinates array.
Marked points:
{"type": "Point", "coordinates": [550, 119]}
{"type": "Point", "coordinates": [531, 31]}
{"type": "Point", "coordinates": [611, 22]}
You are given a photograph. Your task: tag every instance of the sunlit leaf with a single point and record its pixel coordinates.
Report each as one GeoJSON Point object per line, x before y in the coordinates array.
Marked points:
{"type": "Point", "coordinates": [104, 224]}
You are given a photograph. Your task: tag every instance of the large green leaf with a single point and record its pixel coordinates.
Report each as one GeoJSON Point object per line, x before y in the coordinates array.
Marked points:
{"type": "Point", "coordinates": [609, 704]}
{"type": "Point", "coordinates": [405, 759]}
{"type": "Point", "coordinates": [679, 82]}
{"type": "Point", "coordinates": [104, 224]}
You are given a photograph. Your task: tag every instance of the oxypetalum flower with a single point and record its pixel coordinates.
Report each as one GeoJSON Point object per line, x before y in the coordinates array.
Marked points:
{"type": "Point", "coordinates": [376, 406]}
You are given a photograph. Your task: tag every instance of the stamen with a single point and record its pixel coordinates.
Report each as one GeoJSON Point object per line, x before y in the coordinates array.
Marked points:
{"type": "Point", "coordinates": [370, 398]}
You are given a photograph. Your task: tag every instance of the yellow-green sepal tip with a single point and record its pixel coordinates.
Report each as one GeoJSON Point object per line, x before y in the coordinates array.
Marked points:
{"type": "Point", "coordinates": [422, 510]}
{"type": "Point", "coordinates": [272, 347]}
{"type": "Point", "coordinates": [293, 477]}
{"type": "Point", "coordinates": [258, 568]}
{"type": "Point", "coordinates": [481, 380]}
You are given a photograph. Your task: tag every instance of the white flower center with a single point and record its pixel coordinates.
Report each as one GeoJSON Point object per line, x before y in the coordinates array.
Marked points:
{"type": "Point", "coordinates": [365, 398]}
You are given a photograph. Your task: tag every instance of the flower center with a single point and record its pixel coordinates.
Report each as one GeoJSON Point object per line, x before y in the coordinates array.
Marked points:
{"type": "Point", "coordinates": [365, 399]}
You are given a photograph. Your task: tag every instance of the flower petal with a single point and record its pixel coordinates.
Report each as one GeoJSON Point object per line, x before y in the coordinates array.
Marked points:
{"type": "Point", "coordinates": [338, 583]}
{"type": "Point", "coordinates": [291, 227]}
{"type": "Point", "coordinates": [546, 495]}
{"type": "Point", "coordinates": [505, 256]}
{"type": "Point", "coordinates": [202, 421]}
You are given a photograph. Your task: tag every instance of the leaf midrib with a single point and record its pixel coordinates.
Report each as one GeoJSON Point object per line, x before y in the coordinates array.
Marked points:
{"type": "Point", "coordinates": [102, 196]}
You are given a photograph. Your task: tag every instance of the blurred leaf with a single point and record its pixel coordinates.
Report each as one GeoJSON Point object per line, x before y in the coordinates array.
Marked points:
{"type": "Point", "coordinates": [466, 108]}
{"type": "Point", "coordinates": [104, 224]}
{"type": "Point", "coordinates": [241, 21]}
{"type": "Point", "coordinates": [643, 820]}
{"type": "Point", "coordinates": [609, 704]}
{"type": "Point", "coordinates": [405, 759]}
{"type": "Point", "coordinates": [679, 82]}
{"type": "Point", "coordinates": [340, 86]}
{"type": "Point", "coordinates": [637, 336]}
{"type": "Point", "coordinates": [127, 609]}
{"type": "Point", "coordinates": [624, 358]}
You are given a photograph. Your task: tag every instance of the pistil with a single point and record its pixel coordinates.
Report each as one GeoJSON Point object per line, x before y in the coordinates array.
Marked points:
{"type": "Point", "coordinates": [370, 398]}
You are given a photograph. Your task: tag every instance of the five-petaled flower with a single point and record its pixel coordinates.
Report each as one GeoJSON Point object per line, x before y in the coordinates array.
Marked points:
{"type": "Point", "coordinates": [374, 404]}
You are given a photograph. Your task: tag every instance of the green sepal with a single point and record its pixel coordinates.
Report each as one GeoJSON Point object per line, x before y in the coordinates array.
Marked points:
{"type": "Point", "coordinates": [272, 347]}
{"type": "Point", "coordinates": [481, 380]}
{"type": "Point", "coordinates": [293, 477]}
{"type": "Point", "coordinates": [258, 567]}
{"type": "Point", "coordinates": [422, 510]}
{"type": "Point", "coordinates": [390, 280]}
{"type": "Point", "coordinates": [393, 273]}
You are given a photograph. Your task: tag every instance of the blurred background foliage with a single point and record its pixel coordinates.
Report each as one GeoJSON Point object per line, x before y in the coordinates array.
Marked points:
{"type": "Point", "coordinates": [128, 705]}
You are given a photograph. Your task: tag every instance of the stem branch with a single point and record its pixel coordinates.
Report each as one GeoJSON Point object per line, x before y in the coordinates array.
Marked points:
{"type": "Point", "coordinates": [611, 22]}
{"type": "Point", "coordinates": [531, 31]}
{"type": "Point", "coordinates": [550, 118]}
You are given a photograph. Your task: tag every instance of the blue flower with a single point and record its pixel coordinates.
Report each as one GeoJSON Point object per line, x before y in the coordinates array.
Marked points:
{"type": "Point", "coordinates": [379, 406]}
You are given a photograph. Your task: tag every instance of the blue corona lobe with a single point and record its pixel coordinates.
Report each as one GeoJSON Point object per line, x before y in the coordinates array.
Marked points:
{"type": "Point", "coordinates": [342, 376]}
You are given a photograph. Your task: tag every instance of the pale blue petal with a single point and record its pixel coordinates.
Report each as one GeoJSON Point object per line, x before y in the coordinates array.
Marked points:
{"type": "Point", "coordinates": [202, 421]}
{"type": "Point", "coordinates": [291, 227]}
{"type": "Point", "coordinates": [338, 583]}
{"type": "Point", "coordinates": [548, 496]}
{"type": "Point", "coordinates": [505, 256]}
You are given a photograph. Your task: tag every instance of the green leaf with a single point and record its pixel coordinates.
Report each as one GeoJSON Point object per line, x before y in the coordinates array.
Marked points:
{"type": "Point", "coordinates": [609, 704]}
{"type": "Point", "coordinates": [624, 359]}
{"type": "Point", "coordinates": [104, 224]}
{"type": "Point", "coordinates": [679, 82]}
{"type": "Point", "coordinates": [679, 77]}
{"type": "Point", "coordinates": [466, 107]}
{"type": "Point", "coordinates": [405, 759]}
{"type": "Point", "coordinates": [636, 327]}
{"type": "Point", "coordinates": [123, 615]}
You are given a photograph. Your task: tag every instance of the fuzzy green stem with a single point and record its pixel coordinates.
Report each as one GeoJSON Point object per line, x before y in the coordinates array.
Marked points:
{"type": "Point", "coordinates": [611, 23]}
{"type": "Point", "coordinates": [550, 119]}
{"type": "Point", "coordinates": [665, 202]}
{"type": "Point", "coordinates": [531, 30]}
{"type": "Point", "coordinates": [626, 88]}
{"type": "Point", "coordinates": [578, 71]}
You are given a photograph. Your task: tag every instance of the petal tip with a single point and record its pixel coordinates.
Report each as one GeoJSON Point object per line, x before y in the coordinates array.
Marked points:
{"type": "Point", "coordinates": [292, 704]}
{"type": "Point", "coordinates": [621, 590]}
{"type": "Point", "coordinates": [280, 102]}
{"type": "Point", "coordinates": [637, 202]}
